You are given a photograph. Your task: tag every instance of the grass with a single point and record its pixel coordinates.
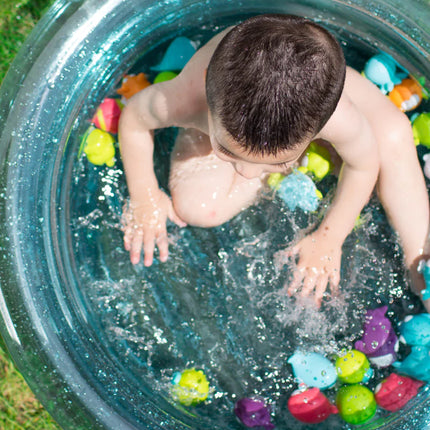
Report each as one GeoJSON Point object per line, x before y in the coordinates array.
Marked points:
{"type": "Point", "coordinates": [19, 409]}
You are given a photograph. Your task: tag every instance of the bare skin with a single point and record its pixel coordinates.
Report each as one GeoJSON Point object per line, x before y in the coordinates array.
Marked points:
{"type": "Point", "coordinates": [213, 179]}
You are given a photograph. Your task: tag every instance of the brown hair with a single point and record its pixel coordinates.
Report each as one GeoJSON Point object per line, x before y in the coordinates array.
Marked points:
{"type": "Point", "coordinates": [275, 80]}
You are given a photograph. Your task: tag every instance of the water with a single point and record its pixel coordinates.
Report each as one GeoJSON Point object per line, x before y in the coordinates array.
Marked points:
{"type": "Point", "coordinates": [217, 304]}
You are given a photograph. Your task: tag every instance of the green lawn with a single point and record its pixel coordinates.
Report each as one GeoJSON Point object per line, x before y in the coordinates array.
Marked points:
{"type": "Point", "coordinates": [19, 409]}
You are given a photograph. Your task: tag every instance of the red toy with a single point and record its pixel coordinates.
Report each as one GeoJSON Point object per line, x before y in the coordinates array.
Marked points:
{"type": "Point", "coordinates": [107, 115]}
{"type": "Point", "coordinates": [395, 391]}
{"type": "Point", "coordinates": [310, 406]}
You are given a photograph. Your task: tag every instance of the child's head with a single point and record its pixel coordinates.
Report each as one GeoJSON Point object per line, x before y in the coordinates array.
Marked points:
{"type": "Point", "coordinates": [274, 81]}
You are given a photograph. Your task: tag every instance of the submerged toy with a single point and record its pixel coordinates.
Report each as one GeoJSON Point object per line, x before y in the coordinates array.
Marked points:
{"type": "Point", "coordinates": [310, 406]}
{"type": "Point", "coordinates": [394, 392]}
{"type": "Point", "coordinates": [317, 161]}
{"type": "Point", "coordinates": [416, 364]}
{"type": "Point", "coordinates": [313, 369]}
{"type": "Point", "coordinates": [407, 95]}
{"type": "Point", "coordinates": [356, 403]}
{"type": "Point", "coordinates": [379, 341]}
{"type": "Point", "coordinates": [177, 55]}
{"type": "Point", "coordinates": [383, 71]}
{"type": "Point", "coordinates": [164, 76]}
{"type": "Point", "coordinates": [426, 170]}
{"type": "Point", "coordinates": [298, 190]}
{"type": "Point", "coordinates": [98, 146]}
{"type": "Point", "coordinates": [421, 129]}
{"type": "Point", "coordinates": [132, 84]}
{"type": "Point", "coordinates": [190, 387]}
{"type": "Point", "coordinates": [424, 266]}
{"type": "Point", "coordinates": [415, 330]}
{"type": "Point", "coordinates": [107, 115]}
{"type": "Point", "coordinates": [353, 367]}
{"type": "Point", "coordinates": [253, 413]}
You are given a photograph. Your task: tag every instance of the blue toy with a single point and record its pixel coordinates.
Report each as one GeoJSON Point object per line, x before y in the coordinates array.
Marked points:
{"type": "Point", "coordinates": [313, 369]}
{"type": "Point", "coordinates": [424, 268]}
{"type": "Point", "coordinates": [384, 71]}
{"type": "Point", "coordinates": [415, 330]}
{"type": "Point", "coordinates": [416, 364]}
{"type": "Point", "coordinates": [298, 190]}
{"type": "Point", "coordinates": [177, 55]}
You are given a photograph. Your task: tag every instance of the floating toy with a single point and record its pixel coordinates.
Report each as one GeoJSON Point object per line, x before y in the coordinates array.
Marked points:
{"type": "Point", "coordinates": [177, 55]}
{"type": "Point", "coordinates": [424, 266]}
{"type": "Point", "coordinates": [98, 146]}
{"type": "Point", "coordinates": [190, 387]}
{"type": "Point", "coordinates": [298, 190]}
{"type": "Point", "coordinates": [107, 115]}
{"type": "Point", "coordinates": [253, 413]}
{"type": "Point", "coordinates": [407, 95]}
{"type": "Point", "coordinates": [353, 367]}
{"type": "Point", "coordinates": [394, 392]}
{"type": "Point", "coordinates": [313, 369]}
{"type": "Point", "coordinates": [416, 364]}
{"type": "Point", "coordinates": [383, 71]}
{"type": "Point", "coordinates": [164, 76]}
{"type": "Point", "coordinates": [415, 330]}
{"type": "Point", "coordinates": [379, 341]}
{"type": "Point", "coordinates": [310, 406]}
{"type": "Point", "coordinates": [132, 84]}
{"type": "Point", "coordinates": [421, 129]}
{"type": "Point", "coordinates": [356, 403]}
{"type": "Point", "coordinates": [317, 161]}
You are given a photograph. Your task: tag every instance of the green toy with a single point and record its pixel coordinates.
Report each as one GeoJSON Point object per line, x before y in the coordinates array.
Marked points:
{"type": "Point", "coordinates": [164, 76]}
{"type": "Point", "coordinates": [99, 147]}
{"type": "Point", "coordinates": [356, 404]}
{"type": "Point", "coordinates": [421, 129]}
{"type": "Point", "coordinates": [190, 387]}
{"type": "Point", "coordinates": [353, 367]}
{"type": "Point", "coordinates": [317, 161]}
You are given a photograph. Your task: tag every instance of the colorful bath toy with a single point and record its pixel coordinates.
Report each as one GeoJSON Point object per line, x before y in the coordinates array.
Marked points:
{"type": "Point", "coordinates": [416, 364]}
{"type": "Point", "coordinates": [132, 84]}
{"type": "Point", "coordinates": [190, 387]}
{"type": "Point", "coordinates": [353, 367]}
{"type": "Point", "coordinates": [298, 190]}
{"type": "Point", "coordinates": [383, 71]}
{"type": "Point", "coordinates": [310, 406]}
{"type": "Point", "coordinates": [379, 341]}
{"type": "Point", "coordinates": [317, 161]}
{"type": "Point", "coordinates": [99, 147]}
{"type": "Point", "coordinates": [177, 55]}
{"type": "Point", "coordinates": [356, 404]}
{"type": "Point", "coordinates": [107, 115]}
{"type": "Point", "coordinates": [424, 266]}
{"type": "Point", "coordinates": [313, 369]}
{"type": "Point", "coordinates": [164, 76]}
{"type": "Point", "coordinates": [415, 330]}
{"type": "Point", "coordinates": [394, 392]}
{"type": "Point", "coordinates": [421, 129]}
{"type": "Point", "coordinates": [426, 170]}
{"type": "Point", "coordinates": [253, 413]}
{"type": "Point", "coordinates": [407, 95]}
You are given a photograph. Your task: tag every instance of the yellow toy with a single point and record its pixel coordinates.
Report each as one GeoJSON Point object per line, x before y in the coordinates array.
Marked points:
{"type": "Point", "coordinates": [98, 146]}
{"type": "Point", "coordinates": [317, 160]}
{"type": "Point", "coordinates": [353, 367]}
{"type": "Point", "coordinates": [190, 387]}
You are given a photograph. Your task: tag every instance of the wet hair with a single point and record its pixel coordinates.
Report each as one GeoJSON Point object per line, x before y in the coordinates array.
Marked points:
{"type": "Point", "coordinates": [274, 81]}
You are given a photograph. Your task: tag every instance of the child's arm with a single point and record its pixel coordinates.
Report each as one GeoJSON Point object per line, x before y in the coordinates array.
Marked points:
{"type": "Point", "coordinates": [320, 252]}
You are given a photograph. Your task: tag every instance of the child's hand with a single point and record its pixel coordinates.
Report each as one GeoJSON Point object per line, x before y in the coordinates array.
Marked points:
{"type": "Point", "coordinates": [318, 265]}
{"type": "Point", "coordinates": [145, 226]}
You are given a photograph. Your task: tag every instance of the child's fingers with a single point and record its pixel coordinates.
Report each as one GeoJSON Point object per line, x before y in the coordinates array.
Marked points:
{"type": "Point", "coordinates": [135, 246]}
{"type": "Point", "coordinates": [163, 246]}
{"type": "Point", "coordinates": [308, 283]}
{"type": "Point", "coordinates": [148, 248]}
{"type": "Point", "coordinates": [173, 216]}
{"type": "Point", "coordinates": [320, 288]}
{"type": "Point", "coordinates": [334, 279]}
{"type": "Point", "coordinates": [296, 282]}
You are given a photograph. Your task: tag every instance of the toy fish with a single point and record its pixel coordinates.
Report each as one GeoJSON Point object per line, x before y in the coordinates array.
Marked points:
{"type": "Point", "coordinates": [310, 406]}
{"type": "Point", "coordinates": [415, 330]}
{"type": "Point", "coordinates": [132, 84]}
{"type": "Point", "coordinates": [253, 413]}
{"type": "Point", "coordinates": [177, 55]}
{"type": "Point", "coordinates": [407, 95]}
{"type": "Point", "coordinates": [313, 369]}
{"type": "Point", "coordinates": [353, 367]}
{"type": "Point", "coordinates": [107, 115]}
{"type": "Point", "coordinates": [394, 392]}
{"type": "Point", "coordinates": [416, 364]}
{"type": "Point", "coordinates": [190, 387]}
{"type": "Point", "coordinates": [379, 341]}
{"type": "Point", "coordinates": [98, 145]}
{"type": "Point", "coordinates": [356, 403]}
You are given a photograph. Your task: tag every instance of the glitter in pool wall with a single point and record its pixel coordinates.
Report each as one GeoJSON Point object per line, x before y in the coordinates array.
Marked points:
{"type": "Point", "coordinates": [217, 303]}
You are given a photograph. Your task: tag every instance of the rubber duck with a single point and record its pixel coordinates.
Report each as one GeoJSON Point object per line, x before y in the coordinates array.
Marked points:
{"type": "Point", "coordinates": [353, 367]}
{"type": "Point", "coordinates": [132, 84]}
{"type": "Point", "coordinates": [356, 404]}
{"type": "Point", "coordinates": [421, 129]}
{"type": "Point", "coordinates": [253, 413]}
{"type": "Point", "coordinates": [177, 55]}
{"type": "Point", "coordinates": [107, 115]}
{"type": "Point", "coordinates": [416, 364]}
{"type": "Point", "coordinates": [407, 95]}
{"type": "Point", "coordinates": [99, 147]}
{"type": "Point", "coordinates": [190, 387]}
{"type": "Point", "coordinates": [317, 161]}
{"type": "Point", "coordinates": [415, 330]}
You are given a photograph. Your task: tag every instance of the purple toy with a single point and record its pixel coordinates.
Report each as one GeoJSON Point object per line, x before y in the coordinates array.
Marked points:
{"type": "Point", "coordinates": [253, 413]}
{"type": "Point", "coordinates": [379, 341]}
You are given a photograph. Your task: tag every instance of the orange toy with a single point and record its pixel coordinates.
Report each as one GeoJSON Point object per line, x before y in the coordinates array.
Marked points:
{"type": "Point", "coordinates": [407, 95]}
{"type": "Point", "coordinates": [132, 84]}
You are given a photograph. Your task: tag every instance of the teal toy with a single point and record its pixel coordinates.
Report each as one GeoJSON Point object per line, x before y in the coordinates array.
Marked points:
{"type": "Point", "coordinates": [190, 387]}
{"type": "Point", "coordinates": [416, 364]}
{"type": "Point", "coordinates": [99, 147]}
{"type": "Point", "coordinates": [164, 76]}
{"type": "Point", "coordinates": [177, 55]}
{"type": "Point", "coordinates": [421, 129]}
{"type": "Point", "coordinates": [415, 330]}
{"type": "Point", "coordinates": [313, 369]}
{"type": "Point", "coordinates": [424, 266]}
{"type": "Point", "coordinates": [353, 367]}
{"type": "Point", "coordinates": [356, 404]}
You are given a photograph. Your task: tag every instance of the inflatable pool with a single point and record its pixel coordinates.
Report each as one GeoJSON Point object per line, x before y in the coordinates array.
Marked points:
{"type": "Point", "coordinates": [98, 340]}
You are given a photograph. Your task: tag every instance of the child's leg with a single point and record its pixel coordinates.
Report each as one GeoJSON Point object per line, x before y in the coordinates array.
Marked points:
{"type": "Point", "coordinates": [206, 191]}
{"type": "Point", "coordinates": [401, 186]}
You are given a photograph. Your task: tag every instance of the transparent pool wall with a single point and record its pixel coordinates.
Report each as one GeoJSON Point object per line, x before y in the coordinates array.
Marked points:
{"type": "Point", "coordinates": [74, 57]}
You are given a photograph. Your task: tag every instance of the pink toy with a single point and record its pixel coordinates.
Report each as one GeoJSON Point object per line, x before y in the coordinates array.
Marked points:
{"type": "Point", "coordinates": [395, 391]}
{"type": "Point", "coordinates": [107, 115]}
{"type": "Point", "coordinates": [310, 406]}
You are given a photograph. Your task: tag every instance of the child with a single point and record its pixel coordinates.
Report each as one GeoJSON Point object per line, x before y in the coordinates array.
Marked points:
{"type": "Point", "coordinates": [249, 103]}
